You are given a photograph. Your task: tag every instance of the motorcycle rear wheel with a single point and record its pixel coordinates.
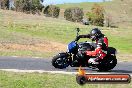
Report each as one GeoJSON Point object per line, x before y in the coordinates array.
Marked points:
{"type": "Point", "coordinates": [107, 64]}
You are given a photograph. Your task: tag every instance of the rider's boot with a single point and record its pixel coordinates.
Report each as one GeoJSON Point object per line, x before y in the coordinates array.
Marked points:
{"type": "Point", "coordinates": [93, 63]}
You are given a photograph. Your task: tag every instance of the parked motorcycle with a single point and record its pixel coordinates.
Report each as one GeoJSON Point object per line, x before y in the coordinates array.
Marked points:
{"type": "Point", "coordinates": [75, 58]}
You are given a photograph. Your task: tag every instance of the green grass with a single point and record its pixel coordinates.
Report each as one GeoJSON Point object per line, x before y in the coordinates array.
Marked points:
{"type": "Point", "coordinates": [29, 29]}
{"type": "Point", "coordinates": [27, 53]}
{"type": "Point", "coordinates": [118, 38]}
{"type": "Point", "coordinates": [119, 11]}
{"type": "Point", "coordinates": [121, 39]}
{"type": "Point", "coordinates": [46, 80]}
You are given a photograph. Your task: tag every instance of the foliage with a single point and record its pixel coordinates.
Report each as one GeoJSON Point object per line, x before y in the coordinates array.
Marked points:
{"type": "Point", "coordinates": [52, 11]}
{"type": "Point", "coordinates": [4, 4]}
{"type": "Point", "coordinates": [28, 6]}
{"type": "Point", "coordinates": [96, 16]}
{"type": "Point", "coordinates": [74, 14]}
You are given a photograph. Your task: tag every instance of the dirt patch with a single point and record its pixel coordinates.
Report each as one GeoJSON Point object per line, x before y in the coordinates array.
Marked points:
{"type": "Point", "coordinates": [41, 47]}
{"type": "Point", "coordinates": [49, 47]}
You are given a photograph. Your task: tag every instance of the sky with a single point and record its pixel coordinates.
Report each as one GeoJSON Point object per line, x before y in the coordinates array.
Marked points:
{"type": "Point", "coordinates": [48, 2]}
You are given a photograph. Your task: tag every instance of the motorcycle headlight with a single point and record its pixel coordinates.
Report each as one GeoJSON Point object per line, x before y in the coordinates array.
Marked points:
{"type": "Point", "coordinates": [67, 49]}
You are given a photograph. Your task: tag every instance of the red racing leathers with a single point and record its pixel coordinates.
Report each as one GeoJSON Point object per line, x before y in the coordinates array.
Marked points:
{"type": "Point", "coordinates": [101, 49]}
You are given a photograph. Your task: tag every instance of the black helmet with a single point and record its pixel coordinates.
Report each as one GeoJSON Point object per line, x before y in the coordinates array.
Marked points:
{"type": "Point", "coordinates": [95, 34]}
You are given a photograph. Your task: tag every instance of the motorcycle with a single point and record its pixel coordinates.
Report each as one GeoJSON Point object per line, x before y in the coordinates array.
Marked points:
{"type": "Point", "coordinates": [74, 58]}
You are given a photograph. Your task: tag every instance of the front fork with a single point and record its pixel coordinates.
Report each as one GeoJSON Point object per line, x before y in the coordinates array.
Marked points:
{"type": "Point", "coordinates": [69, 57]}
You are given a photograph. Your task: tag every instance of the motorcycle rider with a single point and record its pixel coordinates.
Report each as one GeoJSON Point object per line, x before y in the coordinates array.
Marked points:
{"type": "Point", "coordinates": [101, 45]}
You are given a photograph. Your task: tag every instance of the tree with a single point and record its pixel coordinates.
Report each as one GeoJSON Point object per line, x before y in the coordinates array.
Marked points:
{"type": "Point", "coordinates": [96, 16]}
{"type": "Point", "coordinates": [4, 4]}
{"type": "Point", "coordinates": [52, 11]}
{"type": "Point", "coordinates": [29, 6]}
{"type": "Point", "coordinates": [74, 14]}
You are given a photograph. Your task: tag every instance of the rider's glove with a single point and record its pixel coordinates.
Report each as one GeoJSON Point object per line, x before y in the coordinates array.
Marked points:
{"type": "Point", "coordinates": [89, 36]}
{"type": "Point", "coordinates": [83, 52]}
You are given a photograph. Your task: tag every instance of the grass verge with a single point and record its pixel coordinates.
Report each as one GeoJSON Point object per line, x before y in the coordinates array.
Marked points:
{"type": "Point", "coordinates": [25, 30]}
{"type": "Point", "coordinates": [46, 80]}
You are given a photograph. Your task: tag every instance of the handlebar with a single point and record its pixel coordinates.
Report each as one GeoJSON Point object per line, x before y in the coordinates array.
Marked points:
{"type": "Point", "coordinates": [81, 36]}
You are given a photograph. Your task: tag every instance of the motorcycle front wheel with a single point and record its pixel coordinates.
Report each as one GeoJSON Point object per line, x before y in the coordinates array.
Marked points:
{"type": "Point", "coordinates": [60, 61]}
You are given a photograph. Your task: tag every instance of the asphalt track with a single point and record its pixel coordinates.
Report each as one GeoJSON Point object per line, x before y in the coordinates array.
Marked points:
{"type": "Point", "coordinates": [37, 64]}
